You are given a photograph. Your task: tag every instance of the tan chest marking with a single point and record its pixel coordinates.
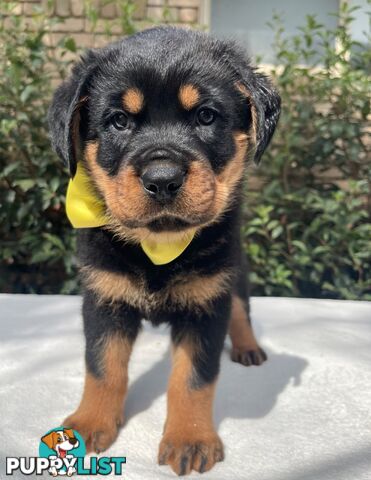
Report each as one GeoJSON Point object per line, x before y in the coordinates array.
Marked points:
{"type": "Point", "coordinates": [184, 291]}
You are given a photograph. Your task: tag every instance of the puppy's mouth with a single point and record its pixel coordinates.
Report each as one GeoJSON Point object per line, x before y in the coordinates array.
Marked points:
{"type": "Point", "coordinates": [168, 223]}
{"type": "Point", "coordinates": [62, 453]}
{"type": "Point", "coordinates": [164, 223]}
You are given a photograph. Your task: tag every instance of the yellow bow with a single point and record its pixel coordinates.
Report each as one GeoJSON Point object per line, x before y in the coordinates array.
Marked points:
{"type": "Point", "coordinates": [85, 210]}
{"type": "Point", "coordinates": [164, 252]}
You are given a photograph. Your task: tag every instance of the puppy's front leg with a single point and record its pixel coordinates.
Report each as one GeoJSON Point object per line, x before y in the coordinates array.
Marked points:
{"type": "Point", "coordinates": [190, 440]}
{"type": "Point", "coordinates": [110, 332]}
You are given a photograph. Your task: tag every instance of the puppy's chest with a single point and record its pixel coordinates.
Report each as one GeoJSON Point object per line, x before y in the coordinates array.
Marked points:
{"type": "Point", "coordinates": [153, 293]}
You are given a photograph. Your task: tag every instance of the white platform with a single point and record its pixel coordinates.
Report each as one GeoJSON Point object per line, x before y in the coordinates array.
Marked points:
{"type": "Point", "coordinates": [303, 415]}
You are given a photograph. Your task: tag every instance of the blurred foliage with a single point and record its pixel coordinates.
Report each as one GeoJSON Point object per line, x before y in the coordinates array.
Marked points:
{"type": "Point", "coordinates": [307, 230]}
{"type": "Point", "coordinates": [37, 243]}
{"type": "Point", "coordinates": [124, 20]}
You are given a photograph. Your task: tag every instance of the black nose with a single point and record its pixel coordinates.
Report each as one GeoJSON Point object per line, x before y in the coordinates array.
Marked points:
{"type": "Point", "coordinates": [73, 441]}
{"type": "Point", "coordinates": [162, 179]}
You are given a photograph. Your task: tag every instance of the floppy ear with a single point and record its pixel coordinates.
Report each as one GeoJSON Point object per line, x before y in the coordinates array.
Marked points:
{"type": "Point", "coordinates": [267, 104]}
{"type": "Point", "coordinates": [50, 440]}
{"type": "Point", "coordinates": [67, 108]}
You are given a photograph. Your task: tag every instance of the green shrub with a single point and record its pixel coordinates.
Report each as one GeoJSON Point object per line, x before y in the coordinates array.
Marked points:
{"type": "Point", "coordinates": [36, 248]}
{"type": "Point", "coordinates": [308, 230]}
{"type": "Point", "coordinates": [307, 233]}
{"type": "Point", "coordinates": [37, 242]}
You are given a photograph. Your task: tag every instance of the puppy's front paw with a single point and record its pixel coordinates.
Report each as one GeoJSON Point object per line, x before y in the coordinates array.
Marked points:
{"type": "Point", "coordinates": [185, 453]}
{"type": "Point", "coordinates": [248, 357]}
{"type": "Point", "coordinates": [99, 432]}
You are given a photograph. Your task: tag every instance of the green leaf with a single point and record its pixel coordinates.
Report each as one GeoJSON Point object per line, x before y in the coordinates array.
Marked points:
{"type": "Point", "coordinates": [26, 93]}
{"type": "Point", "coordinates": [277, 231]}
{"type": "Point", "coordinates": [54, 240]}
{"type": "Point", "coordinates": [70, 44]}
{"type": "Point", "coordinates": [300, 245]}
{"type": "Point", "coordinates": [25, 184]}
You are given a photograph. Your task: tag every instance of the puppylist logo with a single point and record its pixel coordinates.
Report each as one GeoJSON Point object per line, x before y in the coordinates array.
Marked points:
{"type": "Point", "coordinates": [62, 452]}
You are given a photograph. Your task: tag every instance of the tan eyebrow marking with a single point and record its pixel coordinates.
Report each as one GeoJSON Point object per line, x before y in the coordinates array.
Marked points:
{"type": "Point", "coordinates": [188, 96]}
{"type": "Point", "coordinates": [133, 100]}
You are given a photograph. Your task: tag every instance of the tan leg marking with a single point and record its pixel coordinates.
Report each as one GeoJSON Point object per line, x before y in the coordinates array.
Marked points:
{"type": "Point", "coordinates": [189, 441]}
{"type": "Point", "coordinates": [101, 409]}
{"type": "Point", "coordinates": [245, 348]}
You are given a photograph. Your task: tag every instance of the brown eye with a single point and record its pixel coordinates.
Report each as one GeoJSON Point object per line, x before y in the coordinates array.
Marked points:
{"type": "Point", "coordinates": [120, 121]}
{"type": "Point", "coordinates": [206, 116]}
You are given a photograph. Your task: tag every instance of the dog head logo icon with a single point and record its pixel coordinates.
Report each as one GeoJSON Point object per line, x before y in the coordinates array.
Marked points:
{"type": "Point", "coordinates": [62, 446]}
{"type": "Point", "coordinates": [62, 441]}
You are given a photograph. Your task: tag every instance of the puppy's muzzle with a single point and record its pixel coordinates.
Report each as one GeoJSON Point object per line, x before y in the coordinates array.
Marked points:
{"type": "Point", "coordinates": [162, 178]}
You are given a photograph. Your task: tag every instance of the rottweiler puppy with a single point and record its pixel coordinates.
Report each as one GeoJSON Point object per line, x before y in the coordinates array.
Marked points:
{"type": "Point", "coordinates": [163, 124]}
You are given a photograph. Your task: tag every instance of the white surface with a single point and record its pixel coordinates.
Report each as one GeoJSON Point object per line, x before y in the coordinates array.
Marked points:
{"type": "Point", "coordinates": [303, 415]}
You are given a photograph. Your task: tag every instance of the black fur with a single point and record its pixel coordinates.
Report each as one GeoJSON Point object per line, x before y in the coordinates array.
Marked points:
{"type": "Point", "coordinates": [216, 249]}
{"type": "Point", "coordinates": [157, 62]}
{"type": "Point", "coordinates": [151, 60]}
{"type": "Point", "coordinates": [100, 322]}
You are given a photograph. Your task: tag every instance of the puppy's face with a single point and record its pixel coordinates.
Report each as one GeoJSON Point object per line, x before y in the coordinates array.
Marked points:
{"type": "Point", "coordinates": [167, 148]}
{"type": "Point", "coordinates": [165, 121]}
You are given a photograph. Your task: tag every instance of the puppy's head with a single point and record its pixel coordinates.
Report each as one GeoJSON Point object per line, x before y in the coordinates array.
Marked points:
{"type": "Point", "coordinates": [61, 441]}
{"type": "Point", "coordinates": [164, 122]}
